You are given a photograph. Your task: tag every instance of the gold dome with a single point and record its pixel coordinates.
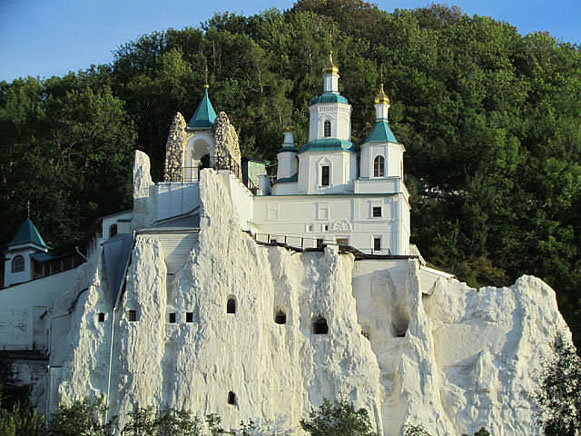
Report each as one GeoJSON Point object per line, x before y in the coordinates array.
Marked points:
{"type": "Point", "coordinates": [331, 68]}
{"type": "Point", "coordinates": [381, 97]}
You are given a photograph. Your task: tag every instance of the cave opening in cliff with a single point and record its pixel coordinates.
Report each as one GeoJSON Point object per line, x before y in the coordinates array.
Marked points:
{"type": "Point", "coordinates": [232, 399]}
{"type": "Point", "coordinates": [320, 326]}
{"type": "Point", "coordinates": [132, 315]}
{"type": "Point", "coordinates": [231, 305]}
{"type": "Point", "coordinates": [280, 317]}
{"type": "Point", "coordinates": [189, 316]}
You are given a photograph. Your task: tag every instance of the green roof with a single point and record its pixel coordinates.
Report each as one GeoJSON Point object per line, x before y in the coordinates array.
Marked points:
{"type": "Point", "coordinates": [328, 144]}
{"type": "Point", "coordinates": [28, 234]}
{"type": "Point", "coordinates": [288, 148]}
{"type": "Point", "coordinates": [205, 114]}
{"type": "Point", "coordinates": [290, 179]}
{"type": "Point", "coordinates": [330, 97]}
{"type": "Point", "coordinates": [381, 133]}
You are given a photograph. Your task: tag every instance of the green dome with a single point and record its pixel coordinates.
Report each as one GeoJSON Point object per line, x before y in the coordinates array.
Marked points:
{"type": "Point", "coordinates": [381, 133]}
{"type": "Point", "coordinates": [328, 144]}
{"type": "Point", "coordinates": [330, 97]}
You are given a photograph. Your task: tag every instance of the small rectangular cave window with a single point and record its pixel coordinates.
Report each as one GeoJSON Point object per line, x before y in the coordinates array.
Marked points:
{"type": "Point", "coordinates": [232, 399]}
{"type": "Point", "coordinates": [280, 317]}
{"type": "Point", "coordinates": [132, 315]}
{"type": "Point", "coordinates": [101, 317]}
{"type": "Point", "coordinates": [231, 305]}
{"type": "Point", "coordinates": [189, 316]}
{"type": "Point", "coordinates": [172, 318]}
{"type": "Point", "coordinates": [320, 326]}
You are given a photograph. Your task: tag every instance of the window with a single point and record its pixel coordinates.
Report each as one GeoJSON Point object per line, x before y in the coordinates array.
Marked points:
{"type": "Point", "coordinates": [101, 317]}
{"type": "Point", "coordinates": [376, 244]}
{"type": "Point", "coordinates": [343, 241]}
{"type": "Point", "coordinates": [327, 129]}
{"type": "Point", "coordinates": [132, 315]}
{"type": "Point", "coordinates": [172, 318]}
{"type": "Point", "coordinates": [320, 326]}
{"type": "Point", "coordinates": [231, 305]}
{"type": "Point", "coordinates": [376, 211]}
{"type": "Point", "coordinates": [325, 173]}
{"type": "Point", "coordinates": [189, 316]}
{"type": "Point", "coordinates": [326, 227]}
{"type": "Point", "coordinates": [232, 398]}
{"type": "Point", "coordinates": [320, 243]}
{"type": "Point", "coordinates": [112, 230]}
{"type": "Point", "coordinates": [280, 317]}
{"type": "Point", "coordinates": [18, 264]}
{"type": "Point", "coordinates": [379, 167]}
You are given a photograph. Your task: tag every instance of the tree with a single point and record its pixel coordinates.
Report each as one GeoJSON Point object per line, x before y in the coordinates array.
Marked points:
{"type": "Point", "coordinates": [338, 418]}
{"type": "Point", "coordinates": [81, 418]}
{"type": "Point", "coordinates": [560, 391]}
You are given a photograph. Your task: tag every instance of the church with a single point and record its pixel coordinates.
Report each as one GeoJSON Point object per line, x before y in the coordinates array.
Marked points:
{"type": "Point", "coordinates": [251, 295]}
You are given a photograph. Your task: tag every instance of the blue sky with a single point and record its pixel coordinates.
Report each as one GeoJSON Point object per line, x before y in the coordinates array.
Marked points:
{"type": "Point", "coordinates": [51, 37]}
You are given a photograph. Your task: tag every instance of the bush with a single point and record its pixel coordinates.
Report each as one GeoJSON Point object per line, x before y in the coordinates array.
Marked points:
{"type": "Point", "coordinates": [338, 419]}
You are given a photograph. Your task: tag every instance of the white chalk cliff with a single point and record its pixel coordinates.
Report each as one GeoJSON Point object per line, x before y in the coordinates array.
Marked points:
{"type": "Point", "coordinates": [409, 344]}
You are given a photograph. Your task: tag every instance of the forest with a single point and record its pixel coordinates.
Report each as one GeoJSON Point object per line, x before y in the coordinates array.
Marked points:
{"type": "Point", "coordinates": [490, 118]}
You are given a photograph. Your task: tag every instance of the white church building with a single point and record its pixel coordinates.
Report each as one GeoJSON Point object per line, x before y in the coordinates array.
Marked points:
{"type": "Point", "coordinates": [325, 191]}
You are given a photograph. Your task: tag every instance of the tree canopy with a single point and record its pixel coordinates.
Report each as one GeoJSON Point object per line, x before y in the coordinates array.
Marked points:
{"type": "Point", "coordinates": [489, 118]}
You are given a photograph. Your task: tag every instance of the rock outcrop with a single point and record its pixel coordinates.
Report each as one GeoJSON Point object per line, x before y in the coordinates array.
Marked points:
{"type": "Point", "coordinates": [408, 344]}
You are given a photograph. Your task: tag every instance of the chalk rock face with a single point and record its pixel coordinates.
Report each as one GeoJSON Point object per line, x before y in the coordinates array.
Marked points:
{"type": "Point", "coordinates": [143, 205]}
{"type": "Point", "coordinates": [227, 148]}
{"type": "Point", "coordinates": [405, 342]}
{"type": "Point", "coordinates": [174, 149]}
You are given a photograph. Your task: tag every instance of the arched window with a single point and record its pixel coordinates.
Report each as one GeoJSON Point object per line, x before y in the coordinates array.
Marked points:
{"type": "Point", "coordinates": [112, 230]}
{"type": "Point", "coordinates": [18, 264]}
{"type": "Point", "coordinates": [320, 326]}
{"type": "Point", "coordinates": [231, 305]}
{"type": "Point", "coordinates": [327, 129]}
{"type": "Point", "coordinates": [232, 398]}
{"type": "Point", "coordinates": [280, 317]}
{"type": "Point", "coordinates": [379, 167]}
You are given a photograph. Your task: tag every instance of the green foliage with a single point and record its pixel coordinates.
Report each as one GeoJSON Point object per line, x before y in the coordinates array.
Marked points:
{"type": "Point", "coordinates": [560, 391]}
{"type": "Point", "coordinates": [489, 118]}
{"type": "Point", "coordinates": [338, 418]}
{"type": "Point", "coordinates": [415, 430]}
{"type": "Point", "coordinates": [19, 418]}
{"type": "Point", "coordinates": [149, 422]}
{"type": "Point", "coordinates": [81, 418]}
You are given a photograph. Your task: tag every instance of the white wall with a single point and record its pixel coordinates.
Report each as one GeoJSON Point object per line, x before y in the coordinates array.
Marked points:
{"type": "Point", "coordinates": [338, 113]}
{"type": "Point", "coordinates": [173, 199]}
{"type": "Point", "coordinates": [25, 275]}
{"type": "Point", "coordinates": [343, 166]}
{"type": "Point", "coordinates": [22, 305]}
{"type": "Point", "coordinates": [333, 217]}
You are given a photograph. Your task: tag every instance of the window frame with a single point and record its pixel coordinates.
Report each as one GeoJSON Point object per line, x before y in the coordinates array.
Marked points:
{"type": "Point", "coordinates": [379, 166]}
{"type": "Point", "coordinates": [326, 177]}
{"type": "Point", "coordinates": [327, 129]}
{"type": "Point", "coordinates": [18, 264]}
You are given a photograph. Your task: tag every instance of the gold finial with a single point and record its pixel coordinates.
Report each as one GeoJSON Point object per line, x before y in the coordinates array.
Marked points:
{"type": "Point", "coordinates": [27, 208]}
{"type": "Point", "coordinates": [381, 97]}
{"type": "Point", "coordinates": [331, 67]}
{"type": "Point", "coordinates": [289, 128]}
